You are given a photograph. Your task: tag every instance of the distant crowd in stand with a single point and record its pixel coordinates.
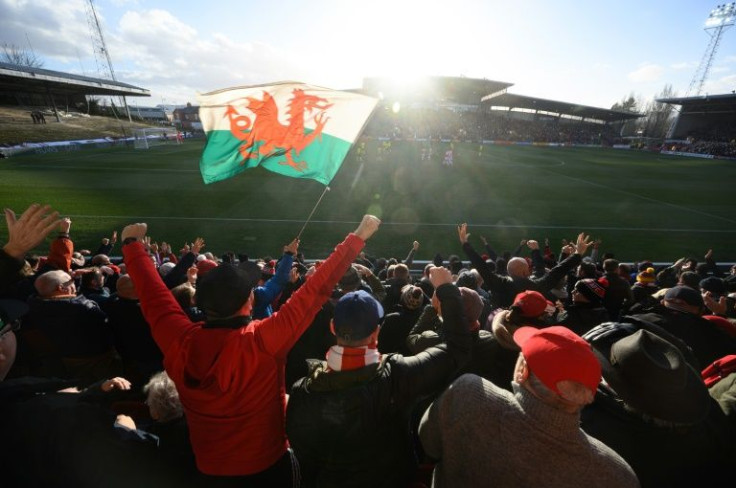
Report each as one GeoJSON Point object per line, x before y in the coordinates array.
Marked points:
{"type": "Point", "coordinates": [522, 368]}
{"type": "Point", "coordinates": [438, 124]}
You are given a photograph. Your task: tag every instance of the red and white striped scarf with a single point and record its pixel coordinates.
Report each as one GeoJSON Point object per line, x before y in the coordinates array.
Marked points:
{"type": "Point", "coordinates": [340, 358]}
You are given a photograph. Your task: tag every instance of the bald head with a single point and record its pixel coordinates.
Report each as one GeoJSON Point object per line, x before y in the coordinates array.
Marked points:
{"type": "Point", "coordinates": [54, 283]}
{"type": "Point", "coordinates": [100, 260]}
{"type": "Point", "coordinates": [518, 267]}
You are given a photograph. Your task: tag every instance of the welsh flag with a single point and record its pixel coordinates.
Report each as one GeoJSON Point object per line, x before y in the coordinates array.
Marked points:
{"type": "Point", "coordinates": [294, 129]}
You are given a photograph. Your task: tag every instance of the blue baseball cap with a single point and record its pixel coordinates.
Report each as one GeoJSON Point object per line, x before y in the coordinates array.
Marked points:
{"type": "Point", "coordinates": [356, 316]}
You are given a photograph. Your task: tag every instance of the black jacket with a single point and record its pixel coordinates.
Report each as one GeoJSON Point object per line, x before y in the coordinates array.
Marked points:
{"type": "Point", "coordinates": [503, 289]}
{"type": "Point", "coordinates": [351, 428]}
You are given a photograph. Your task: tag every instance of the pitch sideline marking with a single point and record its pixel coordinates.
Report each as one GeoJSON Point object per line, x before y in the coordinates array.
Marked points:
{"type": "Point", "coordinates": [418, 224]}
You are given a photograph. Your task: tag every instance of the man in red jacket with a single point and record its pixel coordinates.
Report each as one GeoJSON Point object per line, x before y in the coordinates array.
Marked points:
{"type": "Point", "coordinates": [229, 369]}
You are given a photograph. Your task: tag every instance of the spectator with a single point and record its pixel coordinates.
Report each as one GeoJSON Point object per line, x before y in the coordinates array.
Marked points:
{"type": "Point", "coordinates": [587, 309]}
{"type": "Point", "coordinates": [531, 437]}
{"type": "Point", "coordinates": [93, 281]}
{"type": "Point", "coordinates": [229, 369]}
{"type": "Point", "coordinates": [368, 443]}
{"type": "Point", "coordinates": [655, 411]}
{"type": "Point", "coordinates": [131, 334]}
{"type": "Point", "coordinates": [270, 287]}
{"type": "Point", "coordinates": [645, 287]}
{"type": "Point", "coordinates": [68, 335]}
{"type": "Point", "coordinates": [680, 313]}
{"type": "Point", "coordinates": [503, 289]}
{"type": "Point", "coordinates": [396, 325]}
{"type": "Point", "coordinates": [618, 294]}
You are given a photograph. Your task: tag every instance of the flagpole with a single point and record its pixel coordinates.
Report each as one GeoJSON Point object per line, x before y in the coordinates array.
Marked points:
{"type": "Point", "coordinates": [327, 188]}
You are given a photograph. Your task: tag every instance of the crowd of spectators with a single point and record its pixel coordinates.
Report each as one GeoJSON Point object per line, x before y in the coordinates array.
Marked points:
{"type": "Point", "coordinates": [516, 368]}
{"type": "Point", "coordinates": [501, 126]}
{"type": "Point", "coordinates": [416, 123]}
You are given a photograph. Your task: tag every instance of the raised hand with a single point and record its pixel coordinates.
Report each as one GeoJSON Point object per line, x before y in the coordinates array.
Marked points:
{"type": "Point", "coordinates": [439, 275]}
{"type": "Point", "coordinates": [27, 231]}
{"type": "Point", "coordinates": [582, 244]}
{"type": "Point", "coordinates": [293, 275]}
{"type": "Point", "coordinates": [367, 227]}
{"type": "Point", "coordinates": [65, 225]}
{"type": "Point", "coordinates": [197, 245]}
{"type": "Point", "coordinates": [136, 231]}
{"type": "Point", "coordinates": [462, 233]}
{"type": "Point", "coordinates": [292, 247]}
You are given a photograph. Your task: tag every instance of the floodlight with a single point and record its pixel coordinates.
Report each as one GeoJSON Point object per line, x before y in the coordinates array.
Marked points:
{"type": "Point", "coordinates": [721, 16]}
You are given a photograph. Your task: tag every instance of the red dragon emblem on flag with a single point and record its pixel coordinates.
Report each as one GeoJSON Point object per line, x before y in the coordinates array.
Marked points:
{"type": "Point", "coordinates": [263, 134]}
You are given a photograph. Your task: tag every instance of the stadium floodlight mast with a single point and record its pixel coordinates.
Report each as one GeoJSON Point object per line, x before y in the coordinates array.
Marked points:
{"type": "Point", "coordinates": [102, 55]}
{"type": "Point", "coordinates": [720, 19]}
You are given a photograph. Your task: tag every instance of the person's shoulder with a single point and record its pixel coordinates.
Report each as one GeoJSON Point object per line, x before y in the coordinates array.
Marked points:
{"type": "Point", "coordinates": [611, 466]}
{"type": "Point", "coordinates": [471, 384]}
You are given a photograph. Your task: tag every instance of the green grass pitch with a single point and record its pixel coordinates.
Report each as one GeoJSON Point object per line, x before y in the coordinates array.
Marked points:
{"type": "Point", "coordinates": [641, 205]}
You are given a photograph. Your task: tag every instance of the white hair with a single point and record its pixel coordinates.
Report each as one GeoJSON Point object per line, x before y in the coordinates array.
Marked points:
{"type": "Point", "coordinates": [162, 397]}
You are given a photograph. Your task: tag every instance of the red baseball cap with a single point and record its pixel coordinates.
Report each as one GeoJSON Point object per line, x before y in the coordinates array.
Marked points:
{"type": "Point", "coordinates": [532, 303]}
{"type": "Point", "coordinates": [557, 354]}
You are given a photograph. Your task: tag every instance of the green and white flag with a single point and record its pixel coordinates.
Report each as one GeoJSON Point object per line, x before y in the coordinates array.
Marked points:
{"type": "Point", "coordinates": [294, 129]}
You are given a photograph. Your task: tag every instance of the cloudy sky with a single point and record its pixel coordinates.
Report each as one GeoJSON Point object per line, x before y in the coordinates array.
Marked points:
{"type": "Point", "coordinates": [587, 52]}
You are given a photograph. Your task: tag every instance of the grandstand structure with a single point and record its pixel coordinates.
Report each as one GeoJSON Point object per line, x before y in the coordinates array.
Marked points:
{"type": "Point", "coordinates": [704, 116]}
{"type": "Point", "coordinates": [25, 86]}
{"type": "Point", "coordinates": [490, 102]}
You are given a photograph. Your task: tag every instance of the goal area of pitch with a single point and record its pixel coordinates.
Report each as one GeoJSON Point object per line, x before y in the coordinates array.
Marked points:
{"type": "Point", "coordinates": [155, 136]}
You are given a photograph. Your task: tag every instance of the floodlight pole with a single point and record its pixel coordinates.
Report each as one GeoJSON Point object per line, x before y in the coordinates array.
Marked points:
{"type": "Point", "coordinates": [720, 19]}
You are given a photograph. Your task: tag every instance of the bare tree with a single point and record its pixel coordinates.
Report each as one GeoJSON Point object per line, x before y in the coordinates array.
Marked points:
{"type": "Point", "coordinates": [659, 115]}
{"type": "Point", "coordinates": [14, 54]}
{"type": "Point", "coordinates": [631, 103]}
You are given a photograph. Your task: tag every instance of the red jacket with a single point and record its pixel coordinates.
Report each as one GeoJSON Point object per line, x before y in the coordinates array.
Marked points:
{"type": "Point", "coordinates": [231, 381]}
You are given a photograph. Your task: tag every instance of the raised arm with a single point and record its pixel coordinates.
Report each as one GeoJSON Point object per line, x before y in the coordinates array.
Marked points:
{"type": "Point", "coordinates": [180, 272]}
{"type": "Point", "coordinates": [279, 332]}
{"type": "Point", "coordinates": [537, 259]}
{"type": "Point", "coordinates": [491, 281]}
{"type": "Point", "coordinates": [268, 292]}
{"type": "Point", "coordinates": [24, 233]}
{"type": "Point", "coordinates": [491, 252]}
{"type": "Point", "coordinates": [62, 248]}
{"type": "Point", "coordinates": [410, 257]}
{"type": "Point", "coordinates": [554, 276]}
{"type": "Point", "coordinates": [167, 320]}
{"type": "Point", "coordinates": [433, 368]}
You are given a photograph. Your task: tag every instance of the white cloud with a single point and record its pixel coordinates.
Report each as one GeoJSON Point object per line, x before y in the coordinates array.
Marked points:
{"type": "Point", "coordinates": [173, 60]}
{"type": "Point", "coordinates": [720, 69]}
{"type": "Point", "coordinates": [683, 65]}
{"type": "Point", "coordinates": [717, 86]}
{"type": "Point", "coordinates": [55, 29]}
{"type": "Point", "coordinates": [646, 73]}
